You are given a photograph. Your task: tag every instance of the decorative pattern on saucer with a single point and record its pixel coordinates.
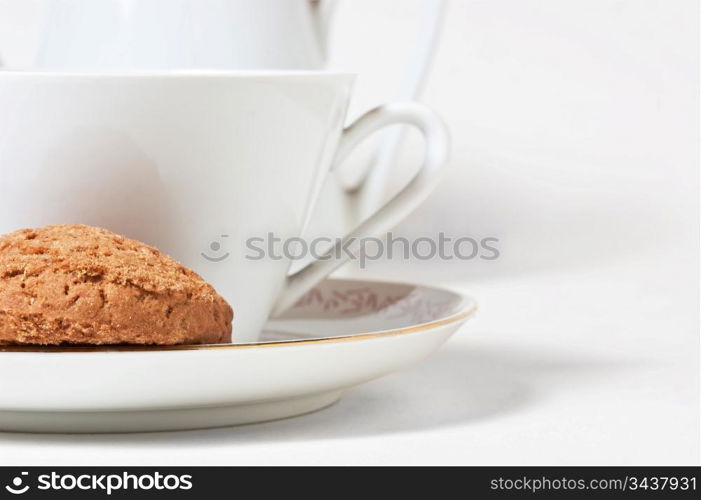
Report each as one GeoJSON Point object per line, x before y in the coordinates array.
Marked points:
{"type": "Point", "coordinates": [397, 301]}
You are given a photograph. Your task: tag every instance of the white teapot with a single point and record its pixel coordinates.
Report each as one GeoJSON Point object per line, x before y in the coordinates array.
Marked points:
{"type": "Point", "coordinates": [118, 35]}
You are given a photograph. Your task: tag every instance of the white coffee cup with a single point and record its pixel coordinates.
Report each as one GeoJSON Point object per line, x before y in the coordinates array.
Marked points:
{"type": "Point", "coordinates": [196, 163]}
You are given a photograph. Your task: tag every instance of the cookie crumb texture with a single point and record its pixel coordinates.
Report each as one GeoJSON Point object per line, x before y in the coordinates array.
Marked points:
{"type": "Point", "coordinates": [72, 284]}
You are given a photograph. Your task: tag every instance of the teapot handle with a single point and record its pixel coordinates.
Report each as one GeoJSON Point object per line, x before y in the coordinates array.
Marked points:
{"type": "Point", "coordinates": [410, 89]}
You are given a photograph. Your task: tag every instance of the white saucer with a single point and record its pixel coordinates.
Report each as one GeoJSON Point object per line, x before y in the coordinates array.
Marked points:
{"type": "Point", "coordinates": [341, 334]}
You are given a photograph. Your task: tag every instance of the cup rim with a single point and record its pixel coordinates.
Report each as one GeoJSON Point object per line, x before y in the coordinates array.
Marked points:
{"type": "Point", "coordinates": [176, 73]}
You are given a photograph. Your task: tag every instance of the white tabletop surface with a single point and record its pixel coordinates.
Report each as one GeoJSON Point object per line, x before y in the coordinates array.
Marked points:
{"type": "Point", "coordinates": [575, 128]}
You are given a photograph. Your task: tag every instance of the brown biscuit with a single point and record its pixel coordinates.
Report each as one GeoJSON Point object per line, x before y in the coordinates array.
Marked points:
{"type": "Point", "coordinates": [84, 285]}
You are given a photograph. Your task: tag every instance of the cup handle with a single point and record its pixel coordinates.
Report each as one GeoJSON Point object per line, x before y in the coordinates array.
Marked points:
{"type": "Point", "coordinates": [396, 209]}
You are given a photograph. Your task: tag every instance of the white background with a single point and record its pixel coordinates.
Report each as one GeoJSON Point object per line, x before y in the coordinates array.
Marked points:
{"type": "Point", "coordinates": [576, 142]}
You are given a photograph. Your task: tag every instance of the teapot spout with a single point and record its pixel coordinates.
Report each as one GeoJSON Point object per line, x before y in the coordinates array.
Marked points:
{"type": "Point", "coordinates": [321, 11]}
